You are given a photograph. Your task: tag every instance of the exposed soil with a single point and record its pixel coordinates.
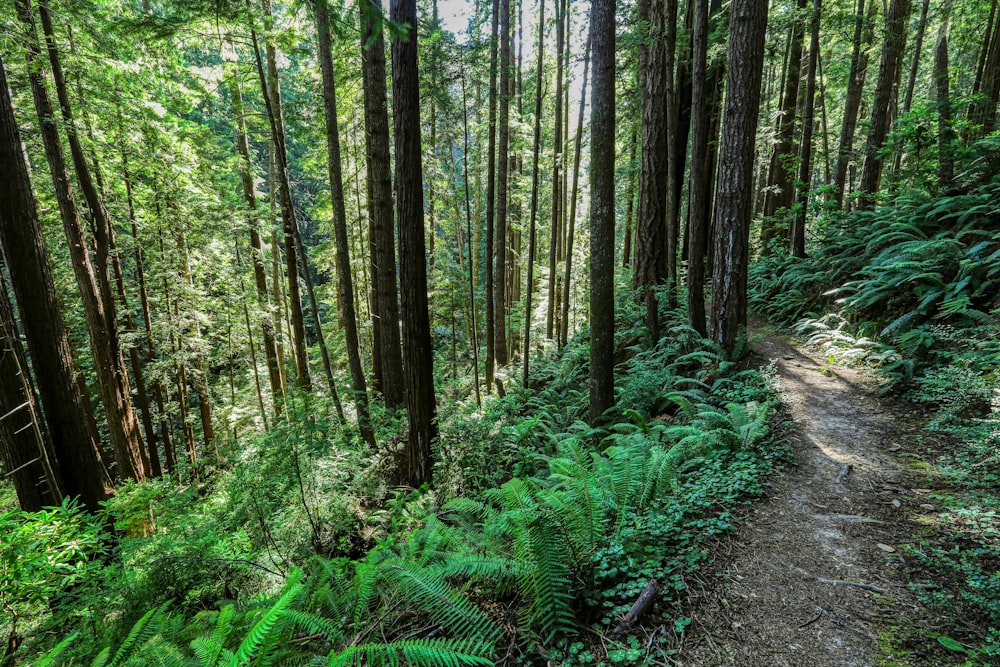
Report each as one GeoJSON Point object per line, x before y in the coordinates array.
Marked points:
{"type": "Point", "coordinates": [814, 576]}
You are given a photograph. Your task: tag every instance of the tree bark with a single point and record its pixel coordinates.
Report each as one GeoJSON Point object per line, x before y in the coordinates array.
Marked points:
{"type": "Point", "coordinates": [93, 278]}
{"type": "Point", "coordinates": [984, 108]}
{"type": "Point", "coordinates": [651, 243]}
{"type": "Point", "coordinates": [418, 352]}
{"type": "Point", "coordinates": [699, 186]}
{"type": "Point", "coordinates": [345, 280]}
{"type": "Point", "coordinates": [503, 149]}
{"type": "Point", "coordinates": [602, 210]}
{"type": "Point", "coordinates": [855, 90]}
{"type": "Point", "coordinates": [76, 452]}
{"type": "Point", "coordinates": [888, 78]}
{"type": "Point", "coordinates": [734, 192]}
{"type": "Point", "coordinates": [381, 237]}
{"type": "Point", "coordinates": [567, 283]}
{"type": "Point", "coordinates": [805, 159]}
{"type": "Point", "coordinates": [533, 212]}
{"type": "Point", "coordinates": [781, 187]}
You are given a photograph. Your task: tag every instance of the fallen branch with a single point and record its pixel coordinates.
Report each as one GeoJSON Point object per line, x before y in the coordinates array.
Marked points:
{"type": "Point", "coordinates": [640, 607]}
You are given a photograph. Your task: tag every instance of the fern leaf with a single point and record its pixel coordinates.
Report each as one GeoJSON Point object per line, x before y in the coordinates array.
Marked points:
{"type": "Point", "coordinates": [262, 632]}
{"type": "Point", "coordinates": [415, 653]}
{"type": "Point", "coordinates": [143, 629]}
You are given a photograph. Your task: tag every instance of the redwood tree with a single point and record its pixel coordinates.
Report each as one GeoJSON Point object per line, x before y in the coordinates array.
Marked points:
{"type": "Point", "coordinates": [734, 190]}
{"type": "Point", "coordinates": [602, 209]}
{"type": "Point", "coordinates": [418, 352]}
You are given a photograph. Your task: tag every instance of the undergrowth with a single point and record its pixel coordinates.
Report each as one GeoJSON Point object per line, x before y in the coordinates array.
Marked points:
{"type": "Point", "coordinates": [537, 538]}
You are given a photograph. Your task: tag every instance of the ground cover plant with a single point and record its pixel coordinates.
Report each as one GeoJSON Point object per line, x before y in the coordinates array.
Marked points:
{"type": "Point", "coordinates": [267, 560]}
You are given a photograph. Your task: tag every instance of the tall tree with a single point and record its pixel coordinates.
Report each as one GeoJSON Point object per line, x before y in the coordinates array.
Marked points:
{"type": "Point", "coordinates": [77, 455]}
{"type": "Point", "coordinates": [491, 188]}
{"type": "Point", "coordinates": [418, 353]}
{"type": "Point", "coordinates": [805, 157]}
{"type": "Point", "coordinates": [946, 135]}
{"type": "Point", "coordinates": [567, 283]}
{"type": "Point", "coordinates": [533, 214]}
{"type": "Point", "coordinates": [984, 107]}
{"type": "Point", "coordinates": [602, 209]}
{"type": "Point", "coordinates": [344, 279]}
{"type": "Point", "coordinates": [381, 237]}
{"type": "Point", "coordinates": [25, 447]}
{"type": "Point", "coordinates": [734, 191]}
{"type": "Point", "coordinates": [557, 194]}
{"type": "Point", "coordinates": [271, 90]}
{"type": "Point", "coordinates": [93, 280]}
{"type": "Point", "coordinates": [855, 89]}
{"type": "Point", "coordinates": [503, 170]}
{"type": "Point", "coordinates": [781, 193]}
{"type": "Point", "coordinates": [650, 242]}
{"type": "Point", "coordinates": [700, 177]}
{"type": "Point", "coordinates": [888, 78]}
{"type": "Point", "coordinates": [256, 244]}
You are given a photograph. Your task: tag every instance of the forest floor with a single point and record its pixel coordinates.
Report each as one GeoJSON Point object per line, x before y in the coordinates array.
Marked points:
{"type": "Point", "coordinates": [814, 577]}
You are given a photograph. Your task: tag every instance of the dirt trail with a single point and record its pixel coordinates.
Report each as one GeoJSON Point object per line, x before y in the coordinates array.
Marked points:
{"type": "Point", "coordinates": [811, 578]}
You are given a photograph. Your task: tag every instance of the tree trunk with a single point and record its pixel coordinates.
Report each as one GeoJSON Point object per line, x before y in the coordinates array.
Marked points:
{"type": "Point", "coordinates": [700, 178]}
{"type": "Point", "coordinates": [25, 446]}
{"type": "Point", "coordinates": [567, 283]}
{"type": "Point", "coordinates": [946, 135]}
{"type": "Point", "coordinates": [76, 453]}
{"type": "Point", "coordinates": [651, 243]}
{"type": "Point", "coordinates": [602, 211]}
{"type": "Point", "coordinates": [557, 194]}
{"type": "Point", "coordinates": [781, 187]}
{"type": "Point", "coordinates": [491, 187]}
{"type": "Point", "coordinates": [256, 245]}
{"type": "Point", "coordinates": [855, 90]}
{"type": "Point", "coordinates": [630, 203]}
{"type": "Point", "coordinates": [93, 279]}
{"type": "Point", "coordinates": [344, 278]}
{"type": "Point", "coordinates": [271, 90]}
{"type": "Point", "coordinates": [805, 160]}
{"type": "Point", "coordinates": [503, 149]}
{"type": "Point", "coordinates": [888, 78]}
{"type": "Point", "coordinates": [533, 213]}
{"type": "Point", "coordinates": [381, 237]}
{"type": "Point", "coordinates": [734, 192]}
{"type": "Point", "coordinates": [418, 352]}
{"type": "Point", "coordinates": [984, 108]}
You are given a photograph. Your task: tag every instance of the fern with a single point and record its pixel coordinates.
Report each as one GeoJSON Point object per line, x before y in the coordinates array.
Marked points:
{"type": "Point", "coordinates": [51, 657]}
{"type": "Point", "coordinates": [429, 590]}
{"type": "Point", "coordinates": [261, 639]}
{"type": "Point", "coordinates": [143, 630]}
{"type": "Point", "coordinates": [414, 653]}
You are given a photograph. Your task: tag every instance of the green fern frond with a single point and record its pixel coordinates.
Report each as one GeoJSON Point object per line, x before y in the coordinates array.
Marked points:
{"type": "Point", "coordinates": [415, 653]}
{"type": "Point", "coordinates": [50, 659]}
{"type": "Point", "coordinates": [143, 629]}
{"type": "Point", "coordinates": [261, 637]}
{"type": "Point", "coordinates": [431, 593]}
{"type": "Point", "coordinates": [547, 580]}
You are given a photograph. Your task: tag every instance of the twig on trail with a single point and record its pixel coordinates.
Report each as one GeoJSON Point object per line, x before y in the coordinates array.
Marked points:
{"type": "Point", "coordinates": [842, 582]}
{"type": "Point", "coordinates": [821, 614]}
{"type": "Point", "coordinates": [844, 471]}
